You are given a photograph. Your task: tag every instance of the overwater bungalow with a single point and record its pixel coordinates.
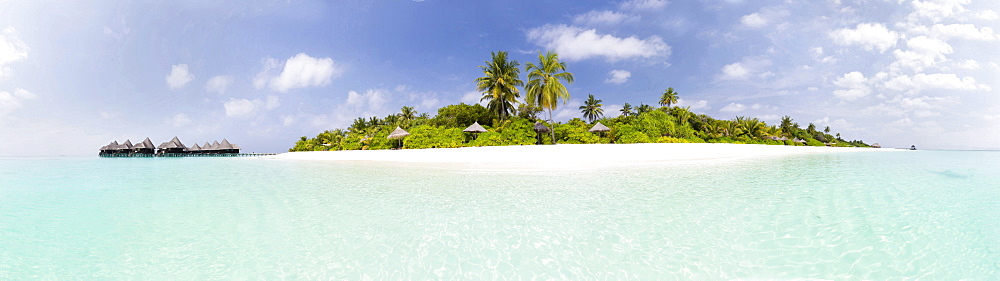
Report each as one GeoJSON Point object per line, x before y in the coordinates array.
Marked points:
{"type": "Point", "coordinates": [172, 148]}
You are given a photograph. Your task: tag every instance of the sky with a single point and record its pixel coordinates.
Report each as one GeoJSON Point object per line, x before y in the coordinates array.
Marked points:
{"type": "Point", "coordinates": [75, 75]}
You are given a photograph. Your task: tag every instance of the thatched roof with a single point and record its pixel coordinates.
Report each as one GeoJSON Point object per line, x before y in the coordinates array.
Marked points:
{"type": "Point", "coordinates": [398, 133]}
{"type": "Point", "coordinates": [215, 145]}
{"type": "Point", "coordinates": [177, 141]}
{"type": "Point", "coordinates": [475, 128]}
{"type": "Point", "coordinates": [111, 146]}
{"type": "Point", "coordinates": [147, 143]}
{"type": "Point", "coordinates": [600, 128]}
{"type": "Point", "coordinates": [140, 146]}
{"type": "Point", "coordinates": [207, 146]}
{"type": "Point", "coordinates": [126, 145]}
{"type": "Point", "coordinates": [194, 147]}
{"type": "Point", "coordinates": [799, 141]}
{"type": "Point", "coordinates": [226, 145]}
{"type": "Point", "coordinates": [541, 128]}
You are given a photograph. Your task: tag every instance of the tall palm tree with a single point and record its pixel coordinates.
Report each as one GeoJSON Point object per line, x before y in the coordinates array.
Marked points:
{"type": "Point", "coordinates": [545, 87]}
{"type": "Point", "coordinates": [669, 97]}
{"type": "Point", "coordinates": [501, 78]}
{"type": "Point", "coordinates": [626, 110]}
{"type": "Point", "coordinates": [591, 108]}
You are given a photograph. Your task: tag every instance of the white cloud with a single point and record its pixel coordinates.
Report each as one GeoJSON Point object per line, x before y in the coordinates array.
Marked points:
{"type": "Point", "coordinates": [179, 76]}
{"type": "Point", "coordinates": [968, 64]}
{"type": "Point", "coordinates": [601, 18]}
{"type": "Point", "coordinates": [751, 67]}
{"type": "Point", "coordinates": [371, 100]}
{"type": "Point", "coordinates": [923, 52]}
{"type": "Point", "coordinates": [855, 86]}
{"type": "Point", "coordinates": [12, 49]}
{"type": "Point", "coordinates": [299, 71]}
{"type": "Point", "coordinates": [218, 84]}
{"type": "Point", "coordinates": [921, 82]}
{"type": "Point", "coordinates": [763, 18]}
{"type": "Point", "coordinates": [575, 43]}
{"type": "Point", "coordinates": [643, 5]}
{"type": "Point", "coordinates": [9, 101]}
{"type": "Point", "coordinates": [618, 76]}
{"type": "Point", "coordinates": [245, 107]}
{"type": "Point", "coordinates": [962, 31]}
{"type": "Point", "coordinates": [241, 107]}
{"type": "Point", "coordinates": [735, 71]}
{"type": "Point", "coordinates": [733, 107]}
{"type": "Point", "coordinates": [472, 98]}
{"type": "Point", "coordinates": [179, 120]}
{"type": "Point", "coordinates": [869, 35]}
{"type": "Point", "coordinates": [694, 104]}
{"type": "Point", "coordinates": [753, 20]}
{"type": "Point", "coordinates": [937, 10]}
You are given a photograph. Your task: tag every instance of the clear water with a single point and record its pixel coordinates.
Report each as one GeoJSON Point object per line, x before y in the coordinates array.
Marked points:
{"type": "Point", "coordinates": [873, 215]}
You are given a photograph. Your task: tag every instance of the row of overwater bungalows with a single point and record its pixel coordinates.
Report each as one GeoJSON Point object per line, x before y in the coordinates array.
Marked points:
{"type": "Point", "coordinates": [174, 147]}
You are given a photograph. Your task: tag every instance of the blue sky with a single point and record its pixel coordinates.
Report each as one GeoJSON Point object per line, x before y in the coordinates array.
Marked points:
{"type": "Point", "coordinates": [75, 76]}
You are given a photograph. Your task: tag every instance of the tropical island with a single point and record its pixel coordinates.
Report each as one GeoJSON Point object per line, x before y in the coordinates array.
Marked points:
{"type": "Point", "coordinates": [507, 121]}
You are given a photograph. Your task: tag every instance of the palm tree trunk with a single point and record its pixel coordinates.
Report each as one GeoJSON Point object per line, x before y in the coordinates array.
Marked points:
{"type": "Point", "coordinates": [553, 124]}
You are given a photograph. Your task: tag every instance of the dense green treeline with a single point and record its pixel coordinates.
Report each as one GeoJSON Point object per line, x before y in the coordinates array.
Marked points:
{"type": "Point", "coordinates": [511, 122]}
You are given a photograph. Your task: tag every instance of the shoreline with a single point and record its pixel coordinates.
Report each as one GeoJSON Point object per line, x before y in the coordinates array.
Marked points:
{"type": "Point", "coordinates": [571, 154]}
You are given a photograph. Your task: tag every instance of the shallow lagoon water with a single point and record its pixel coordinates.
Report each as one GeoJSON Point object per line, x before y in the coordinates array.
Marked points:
{"type": "Point", "coordinates": [867, 215]}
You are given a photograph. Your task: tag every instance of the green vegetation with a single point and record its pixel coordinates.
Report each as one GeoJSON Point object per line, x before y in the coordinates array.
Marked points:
{"type": "Point", "coordinates": [509, 122]}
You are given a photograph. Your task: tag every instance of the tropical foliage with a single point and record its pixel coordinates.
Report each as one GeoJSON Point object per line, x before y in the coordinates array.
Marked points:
{"type": "Point", "coordinates": [499, 83]}
{"type": "Point", "coordinates": [509, 122]}
{"type": "Point", "coordinates": [545, 88]}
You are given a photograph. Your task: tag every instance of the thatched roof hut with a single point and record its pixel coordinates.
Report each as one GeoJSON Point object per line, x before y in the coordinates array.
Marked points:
{"type": "Point", "coordinates": [125, 146]}
{"type": "Point", "coordinates": [194, 148]}
{"type": "Point", "coordinates": [177, 141]}
{"type": "Point", "coordinates": [398, 133]}
{"type": "Point", "coordinates": [475, 128]}
{"type": "Point", "coordinates": [227, 147]}
{"type": "Point", "coordinates": [599, 128]}
{"type": "Point", "coordinates": [541, 128]}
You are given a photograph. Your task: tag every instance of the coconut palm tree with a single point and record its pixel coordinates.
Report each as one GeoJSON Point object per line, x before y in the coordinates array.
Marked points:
{"type": "Point", "coordinates": [626, 110]}
{"type": "Point", "coordinates": [545, 87]}
{"type": "Point", "coordinates": [501, 78]}
{"type": "Point", "coordinates": [683, 114]}
{"type": "Point", "coordinates": [591, 108]}
{"type": "Point", "coordinates": [669, 97]}
{"type": "Point", "coordinates": [407, 113]}
{"type": "Point", "coordinates": [643, 108]}
{"type": "Point", "coordinates": [787, 126]}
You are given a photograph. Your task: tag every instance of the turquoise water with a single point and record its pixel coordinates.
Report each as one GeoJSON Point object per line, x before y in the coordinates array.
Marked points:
{"type": "Point", "coordinates": [846, 216]}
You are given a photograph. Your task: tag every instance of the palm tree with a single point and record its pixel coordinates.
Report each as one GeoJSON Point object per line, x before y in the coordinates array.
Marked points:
{"type": "Point", "coordinates": [643, 108]}
{"type": "Point", "coordinates": [826, 130]}
{"type": "Point", "coordinates": [407, 113]}
{"type": "Point", "coordinates": [626, 110]}
{"type": "Point", "coordinates": [499, 83]}
{"type": "Point", "coordinates": [544, 86]}
{"type": "Point", "coordinates": [787, 125]}
{"type": "Point", "coordinates": [591, 109]}
{"type": "Point", "coordinates": [669, 97]}
{"type": "Point", "coordinates": [682, 114]}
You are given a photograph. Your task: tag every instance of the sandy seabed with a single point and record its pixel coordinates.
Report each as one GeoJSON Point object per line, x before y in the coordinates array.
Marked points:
{"type": "Point", "coordinates": [571, 154]}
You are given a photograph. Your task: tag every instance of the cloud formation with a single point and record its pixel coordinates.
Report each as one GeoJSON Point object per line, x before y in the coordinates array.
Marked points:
{"type": "Point", "coordinates": [870, 36]}
{"type": "Point", "coordinates": [246, 107]}
{"type": "Point", "coordinates": [179, 76]}
{"type": "Point", "coordinates": [218, 84]}
{"type": "Point", "coordinates": [299, 71]}
{"type": "Point", "coordinates": [9, 101]}
{"type": "Point", "coordinates": [618, 76]}
{"type": "Point", "coordinates": [575, 43]}
{"type": "Point", "coordinates": [12, 49]}
{"type": "Point", "coordinates": [601, 18]}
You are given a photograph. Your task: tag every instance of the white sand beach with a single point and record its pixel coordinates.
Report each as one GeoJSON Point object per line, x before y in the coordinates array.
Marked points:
{"type": "Point", "coordinates": [572, 154]}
